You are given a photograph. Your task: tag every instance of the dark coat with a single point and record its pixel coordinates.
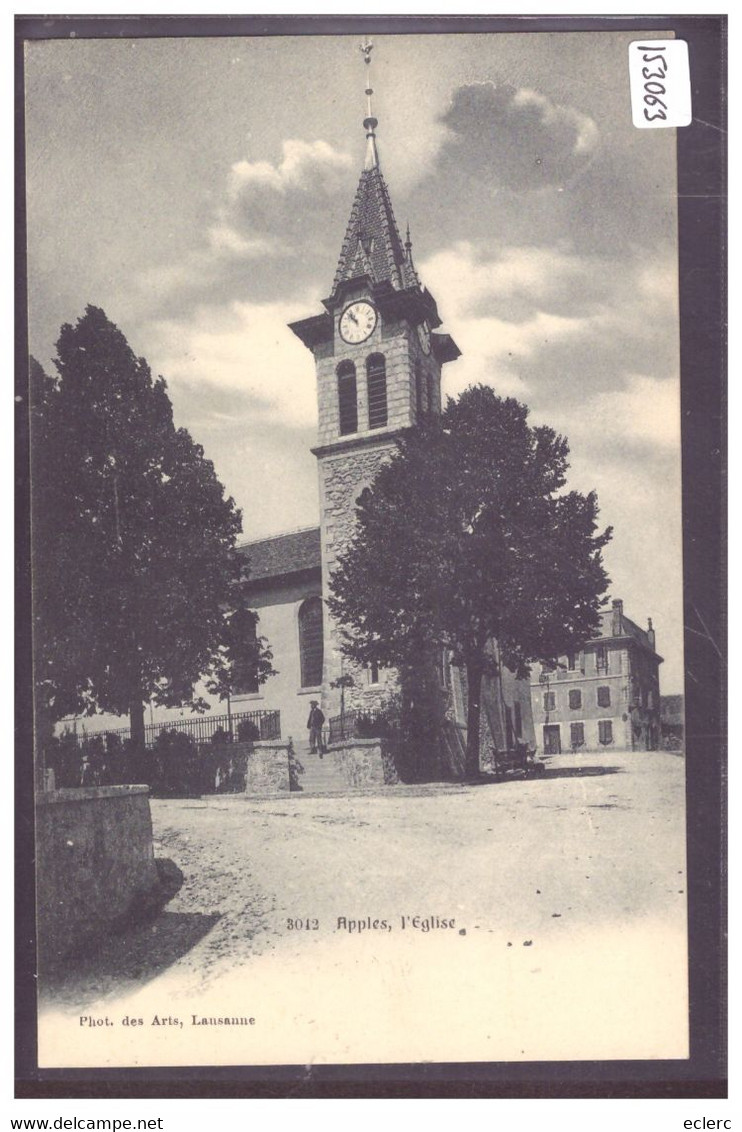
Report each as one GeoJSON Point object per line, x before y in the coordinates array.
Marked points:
{"type": "Point", "coordinates": [316, 718]}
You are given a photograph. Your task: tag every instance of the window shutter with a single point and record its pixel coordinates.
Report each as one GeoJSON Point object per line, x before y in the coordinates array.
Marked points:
{"type": "Point", "coordinates": [376, 377]}
{"type": "Point", "coordinates": [347, 398]}
{"type": "Point", "coordinates": [311, 644]}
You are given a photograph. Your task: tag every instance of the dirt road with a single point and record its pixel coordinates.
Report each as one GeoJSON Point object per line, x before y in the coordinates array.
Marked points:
{"type": "Point", "coordinates": [531, 919]}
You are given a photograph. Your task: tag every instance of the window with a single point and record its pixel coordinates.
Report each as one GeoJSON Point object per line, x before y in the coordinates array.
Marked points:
{"type": "Point", "coordinates": [310, 642]}
{"type": "Point", "coordinates": [376, 378]}
{"type": "Point", "coordinates": [576, 735]}
{"type": "Point", "coordinates": [372, 671]}
{"type": "Point", "coordinates": [575, 698]}
{"type": "Point", "coordinates": [549, 701]}
{"type": "Point", "coordinates": [604, 697]}
{"type": "Point", "coordinates": [429, 378]}
{"type": "Point", "coordinates": [347, 398]}
{"type": "Point", "coordinates": [518, 719]}
{"type": "Point", "coordinates": [601, 658]}
{"type": "Point", "coordinates": [605, 731]}
{"type": "Point", "coordinates": [571, 661]}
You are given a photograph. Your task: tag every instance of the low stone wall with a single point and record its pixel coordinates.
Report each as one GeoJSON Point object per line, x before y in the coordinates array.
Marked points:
{"type": "Point", "coordinates": [365, 762]}
{"type": "Point", "coordinates": [267, 767]}
{"type": "Point", "coordinates": [94, 861]}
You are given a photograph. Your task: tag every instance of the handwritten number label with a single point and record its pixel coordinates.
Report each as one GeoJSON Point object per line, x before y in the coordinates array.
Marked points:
{"type": "Point", "coordinates": [659, 73]}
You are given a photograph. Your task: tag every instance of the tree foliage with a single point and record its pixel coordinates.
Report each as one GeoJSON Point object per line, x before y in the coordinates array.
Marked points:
{"type": "Point", "coordinates": [134, 569]}
{"type": "Point", "coordinates": [467, 535]}
{"type": "Point", "coordinates": [245, 659]}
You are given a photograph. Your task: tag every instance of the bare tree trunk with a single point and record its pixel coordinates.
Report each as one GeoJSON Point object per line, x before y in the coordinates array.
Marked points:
{"type": "Point", "coordinates": [474, 673]}
{"type": "Point", "coordinates": [136, 723]}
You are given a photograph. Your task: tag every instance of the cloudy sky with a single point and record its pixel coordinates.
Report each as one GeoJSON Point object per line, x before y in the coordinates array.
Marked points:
{"type": "Point", "coordinates": [198, 190]}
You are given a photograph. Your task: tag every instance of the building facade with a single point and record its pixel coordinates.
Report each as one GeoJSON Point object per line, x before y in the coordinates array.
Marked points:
{"type": "Point", "coordinates": [378, 355]}
{"type": "Point", "coordinates": [378, 359]}
{"type": "Point", "coordinates": [606, 696]}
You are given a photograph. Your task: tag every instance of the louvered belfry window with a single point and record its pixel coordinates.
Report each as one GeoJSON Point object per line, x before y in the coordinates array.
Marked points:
{"type": "Point", "coordinates": [347, 399]}
{"type": "Point", "coordinates": [310, 642]}
{"type": "Point", "coordinates": [376, 374]}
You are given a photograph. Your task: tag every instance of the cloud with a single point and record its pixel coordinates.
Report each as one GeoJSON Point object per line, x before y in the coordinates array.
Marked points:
{"type": "Point", "coordinates": [644, 415]}
{"type": "Point", "coordinates": [245, 349]}
{"type": "Point", "coordinates": [265, 236]}
{"type": "Point", "coordinates": [280, 209]}
{"type": "Point", "coordinates": [226, 240]}
{"type": "Point", "coordinates": [552, 325]}
{"type": "Point", "coordinates": [516, 136]}
{"type": "Point", "coordinates": [306, 167]}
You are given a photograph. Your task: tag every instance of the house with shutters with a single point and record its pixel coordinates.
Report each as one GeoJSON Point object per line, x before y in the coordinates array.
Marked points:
{"type": "Point", "coordinates": [607, 696]}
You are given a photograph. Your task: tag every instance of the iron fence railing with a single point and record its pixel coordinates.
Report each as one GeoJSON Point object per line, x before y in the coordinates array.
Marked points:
{"type": "Point", "coordinates": [202, 729]}
{"type": "Point", "coordinates": [365, 723]}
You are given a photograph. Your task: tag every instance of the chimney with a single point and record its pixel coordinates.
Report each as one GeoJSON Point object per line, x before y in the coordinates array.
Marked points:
{"type": "Point", "coordinates": [617, 627]}
{"type": "Point", "coordinates": [650, 632]}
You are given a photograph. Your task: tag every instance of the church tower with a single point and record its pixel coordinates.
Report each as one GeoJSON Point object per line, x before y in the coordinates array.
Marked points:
{"type": "Point", "coordinates": [378, 361]}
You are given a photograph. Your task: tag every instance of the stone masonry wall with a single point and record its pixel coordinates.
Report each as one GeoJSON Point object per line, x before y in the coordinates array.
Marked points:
{"type": "Point", "coordinates": [267, 767]}
{"type": "Point", "coordinates": [396, 352]}
{"type": "Point", "coordinates": [343, 477]}
{"type": "Point", "coordinates": [94, 861]}
{"type": "Point", "coordinates": [365, 762]}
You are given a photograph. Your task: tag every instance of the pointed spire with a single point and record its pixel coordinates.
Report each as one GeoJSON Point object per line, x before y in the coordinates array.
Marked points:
{"type": "Point", "coordinates": [408, 246]}
{"type": "Point", "coordinates": [369, 122]}
{"type": "Point", "coordinates": [373, 246]}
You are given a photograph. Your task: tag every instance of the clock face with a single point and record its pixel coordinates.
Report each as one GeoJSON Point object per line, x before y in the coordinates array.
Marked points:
{"type": "Point", "coordinates": [357, 322]}
{"type": "Point", "coordinates": [423, 333]}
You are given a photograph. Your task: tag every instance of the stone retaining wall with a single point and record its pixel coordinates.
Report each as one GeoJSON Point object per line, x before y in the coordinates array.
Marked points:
{"type": "Point", "coordinates": [267, 767]}
{"type": "Point", "coordinates": [94, 861]}
{"type": "Point", "coordinates": [365, 762]}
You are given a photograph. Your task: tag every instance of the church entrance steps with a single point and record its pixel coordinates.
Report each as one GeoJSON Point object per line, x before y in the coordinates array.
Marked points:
{"type": "Point", "coordinates": [321, 775]}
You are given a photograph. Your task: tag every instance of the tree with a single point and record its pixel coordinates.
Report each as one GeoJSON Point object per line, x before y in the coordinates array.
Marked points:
{"type": "Point", "coordinates": [467, 535]}
{"type": "Point", "coordinates": [134, 568]}
{"type": "Point", "coordinates": [244, 659]}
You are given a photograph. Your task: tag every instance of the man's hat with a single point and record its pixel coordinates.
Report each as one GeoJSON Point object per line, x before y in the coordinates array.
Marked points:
{"type": "Point", "coordinates": [314, 703]}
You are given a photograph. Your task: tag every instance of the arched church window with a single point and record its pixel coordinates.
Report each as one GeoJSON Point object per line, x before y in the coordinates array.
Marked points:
{"type": "Point", "coordinates": [347, 398]}
{"type": "Point", "coordinates": [376, 377]}
{"type": "Point", "coordinates": [245, 674]}
{"type": "Point", "coordinates": [363, 498]}
{"type": "Point", "coordinates": [310, 642]}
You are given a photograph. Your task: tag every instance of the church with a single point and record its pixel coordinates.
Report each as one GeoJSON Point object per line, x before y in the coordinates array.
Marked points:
{"type": "Point", "coordinates": [378, 354]}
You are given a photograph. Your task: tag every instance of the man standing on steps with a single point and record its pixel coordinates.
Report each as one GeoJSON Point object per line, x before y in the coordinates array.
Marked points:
{"type": "Point", "coordinates": [315, 723]}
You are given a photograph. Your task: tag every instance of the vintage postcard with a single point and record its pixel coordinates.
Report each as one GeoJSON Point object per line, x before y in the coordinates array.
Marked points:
{"type": "Point", "coordinates": [424, 799]}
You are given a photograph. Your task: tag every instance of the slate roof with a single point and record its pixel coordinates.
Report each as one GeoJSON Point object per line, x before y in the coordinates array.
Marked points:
{"type": "Point", "coordinates": [629, 629]}
{"type": "Point", "coordinates": [281, 555]}
{"type": "Point", "coordinates": [372, 244]}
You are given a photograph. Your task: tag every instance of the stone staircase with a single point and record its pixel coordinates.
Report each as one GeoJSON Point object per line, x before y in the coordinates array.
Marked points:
{"type": "Point", "coordinates": [321, 775]}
